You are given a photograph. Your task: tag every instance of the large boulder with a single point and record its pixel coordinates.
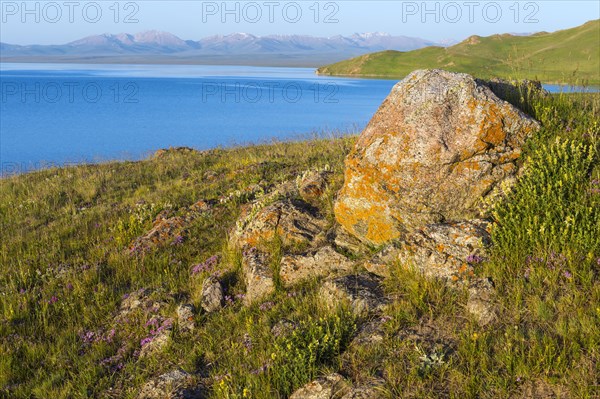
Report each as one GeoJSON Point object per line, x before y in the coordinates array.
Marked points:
{"type": "Point", "coordinates": [439, 143]}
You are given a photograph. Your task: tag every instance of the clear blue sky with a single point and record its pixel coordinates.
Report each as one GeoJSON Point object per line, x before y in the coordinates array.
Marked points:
{"type": "Point", "coordinates": [60, 23]}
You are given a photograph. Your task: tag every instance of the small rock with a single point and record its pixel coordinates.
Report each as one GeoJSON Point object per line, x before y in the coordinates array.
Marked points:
{"type": "Point", "coordinates": [381, 263]}
{"type": "Point", "coordinates": [332, 386]}
{"type": "Point", "coordinates": [259, 275]}
{"type": "Point", "coordinates": [369, 333]}
{"type": "Point", "coordinates": [365, 392]}
{"type": "Point", "coordinates": [312, 184]}
{"type": "Point", "coordinates": [324, 262]}
{"type": "Point", "coordinates": [144, 299]}
{"type": "Point", "coordinates": [176, 384]}
{"type": "Point", "coordinates": [296, 223]}
{"type": "Point", "coordinates": [185, 317]}
{"type": "Point", "coordinates": [346, 241]}
{"type": "Point", "coordinates": [157, 344]}
{"type": "Point", "coordinates": [429, 337]}
{"type": "Point", "coordinates": [164, 231]}
{"type": "Point", "coordinates": [442, 250]}
{"type": "Point", "coordinates": [481, 302]}
{"type": "Point", "coordinates": [362, 291]}
{"type": "Point", "coordinates": [212, 295]}
{"type": "Point", "coordinates": [164, 152]}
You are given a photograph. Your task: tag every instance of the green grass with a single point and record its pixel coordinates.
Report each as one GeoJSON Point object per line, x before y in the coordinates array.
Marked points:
{"type": "Point", "coordinates": [570, 56]}
{"type": "Point", "coordinates": [65, 234]}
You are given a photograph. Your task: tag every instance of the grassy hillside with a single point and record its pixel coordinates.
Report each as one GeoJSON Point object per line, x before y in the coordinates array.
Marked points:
{"type": "Point", "coordinates": [570, 56]}
{"type": "Point", "coordinates": [66, 271]}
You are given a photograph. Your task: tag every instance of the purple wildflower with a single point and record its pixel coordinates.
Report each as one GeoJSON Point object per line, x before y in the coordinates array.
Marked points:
{"type": "Point", "coordinates": [109, 337]}
{"type": "Point", "coordinates": [152, 322]}
{"type": "Point", "coordinates": [229, 299]}
{"type": "Point", "coordinates": [53, 300]}
{"type": "Point", "coordinates": [69, 286]}
{"type": "Point", "coordinates": [178, 240]}
{"type": "Point", "coordinates": [247, 341]}
{"type": "Point", "coordinates": [22, 290]}
{"type": "Point", "coordinates": [240, 296]}
{"type": "Point", "coordinates": [473, 258]}
{"type": "Point", "coordinates": [526, 274]}
{"type": "Point", "coordinates": [146, 341]}
{"type": "Point", "coordinates": [261, 369]}
{"type": "Point", "coordinates": [207, 265]}
{"type": "Point", "coordinates": [87, 337]}
{"type": "Point", "coordinates": [568, 274]}
{"type": "Point", "coordinates": [266, 306]}
{"type": "Point", "coordinates": [385, 319]}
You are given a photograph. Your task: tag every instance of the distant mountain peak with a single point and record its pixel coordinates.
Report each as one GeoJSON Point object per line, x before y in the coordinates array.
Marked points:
{"type": "Point", "coordinates": [369, 35]}
{"type": "Point", "coordinates": [158, 37]}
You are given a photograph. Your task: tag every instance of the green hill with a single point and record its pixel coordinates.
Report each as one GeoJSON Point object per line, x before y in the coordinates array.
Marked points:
{"type": "Point", "coordinates": [568, 56]}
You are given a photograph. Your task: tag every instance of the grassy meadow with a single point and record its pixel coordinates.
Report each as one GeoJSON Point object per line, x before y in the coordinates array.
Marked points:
{"type": "Point", "coordinates": [66, 268]}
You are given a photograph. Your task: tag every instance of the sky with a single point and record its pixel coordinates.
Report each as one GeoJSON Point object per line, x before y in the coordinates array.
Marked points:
{"type": "Point", "coordinates": [62, 21]}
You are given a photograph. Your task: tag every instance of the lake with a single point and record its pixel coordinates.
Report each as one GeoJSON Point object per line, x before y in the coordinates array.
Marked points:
{"type": "Point", "coordinates": [60, 113]}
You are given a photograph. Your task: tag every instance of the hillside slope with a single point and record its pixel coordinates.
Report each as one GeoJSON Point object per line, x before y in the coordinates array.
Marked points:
{"type": "Point", "coordinates": [568, 56]}
{"type": "Point", "coordinates": [104, 269]}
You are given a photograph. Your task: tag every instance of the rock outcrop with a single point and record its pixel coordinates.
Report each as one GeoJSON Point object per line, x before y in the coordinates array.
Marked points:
{"type": "Point", "coordinates": [176, 384]}
{"type": "Point", "coordinates": [441, 250]}
{"type": "Point", "coordinates": [322, 263]}
{"type": "Point", "coordinates": [333, 386]}
{"type": "Point", "coordinates": [296, 223]}
{"type": "Point", "coordinates": [363, 292]}
{"type": "Point", "coordinates": [439, 143]}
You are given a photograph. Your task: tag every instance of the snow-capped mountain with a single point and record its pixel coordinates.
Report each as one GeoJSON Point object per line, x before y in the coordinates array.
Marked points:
{"type": "Point", "coordinates": [156, 42]}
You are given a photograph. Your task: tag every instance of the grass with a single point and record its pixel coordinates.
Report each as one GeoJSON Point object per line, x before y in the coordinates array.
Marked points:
{"type": "Point", "coordinates": [570, 56]}
{"type": "Point", "coordinates": [66, 269]}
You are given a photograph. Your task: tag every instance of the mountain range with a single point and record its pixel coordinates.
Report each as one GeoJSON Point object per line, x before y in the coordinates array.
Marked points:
{"type": "Point", "coordinates": [160, 47]}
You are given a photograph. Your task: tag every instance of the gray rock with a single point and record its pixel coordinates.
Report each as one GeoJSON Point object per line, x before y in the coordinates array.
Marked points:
{"type": "Point", "coordinates": [439, 143]}
{"type": "Point", "coordinates": [323, 262]}
{"type": "Point", "coordinates": [481, 302]}
{"type": "Point", "coordinates": [296, 223]}
{"type": "Point", "coordinates": [158, 343]}
{"type": "Point", "coordinates": [185, 317]}
{"type": "Point", "coordinates": [372, 391]}
{"type": "Point", "coordinates": [370, 333]}
{"type": "Point", "coordinates": [332, 386]}
{"type": "Point", "coordinates": [444, 250]}
{"type": "Point", "coordinates": [346, 241]}
{"type": "Point", "coordinates": [363, 292]}
{"type": "Point", "coordinates": [382, 262]}
{"type": "Point", "coordinates": [428, 336]}
{"type": "Point", "coordinates": [259, 275]}
{"type": "Point", "coordinates": [176, 384]}
{"type": "Point", "coordinates": [212, 295]}
{"type": "Point", "coordinates": [312, 184]}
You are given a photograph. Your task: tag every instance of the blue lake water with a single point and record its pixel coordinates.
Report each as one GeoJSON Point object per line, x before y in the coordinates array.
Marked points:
{"type": "Point", "coordinates": [57, 113]}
